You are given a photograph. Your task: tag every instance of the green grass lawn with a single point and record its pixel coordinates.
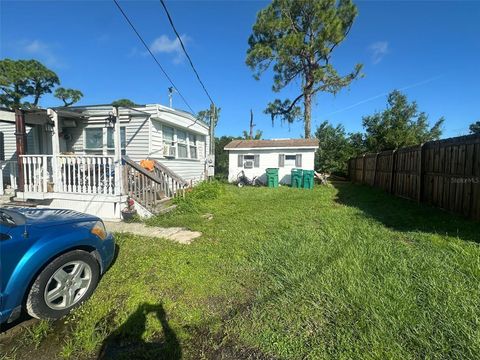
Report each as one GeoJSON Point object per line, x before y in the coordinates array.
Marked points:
{"type": "Point", "coordinates": [338, 272]}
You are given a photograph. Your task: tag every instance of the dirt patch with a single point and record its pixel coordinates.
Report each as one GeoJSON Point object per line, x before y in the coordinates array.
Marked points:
{"type": "Point", "coordinates": [17, 342]}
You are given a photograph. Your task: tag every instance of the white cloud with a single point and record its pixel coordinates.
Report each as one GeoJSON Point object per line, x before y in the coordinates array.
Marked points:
{"type": "Point", "coordinates": [378, 51]}
{"type": "Point", "coordinates": [163, 44]}
{"type": "Point", "coordinates": [42, 51]}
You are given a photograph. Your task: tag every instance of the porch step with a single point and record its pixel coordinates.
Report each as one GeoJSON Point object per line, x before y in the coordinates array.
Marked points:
{"type": "Point", "coordinates": [5, 199]}
{"type": "Point", "coordinates": [160, 210]}
{"type": "Point", "coordinates": [20, 203]}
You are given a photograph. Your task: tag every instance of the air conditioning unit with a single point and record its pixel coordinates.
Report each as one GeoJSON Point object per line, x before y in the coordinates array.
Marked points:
{"type": "Point", "coordinates": [169, 151]}
{"type": "Point", "coordinates": [248, 164]}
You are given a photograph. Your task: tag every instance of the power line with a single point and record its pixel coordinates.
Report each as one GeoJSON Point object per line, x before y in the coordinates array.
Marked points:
{"type": "Point", "coordinates": [151, 53]}
{"type": "Point", "coordinates": [185, 50]}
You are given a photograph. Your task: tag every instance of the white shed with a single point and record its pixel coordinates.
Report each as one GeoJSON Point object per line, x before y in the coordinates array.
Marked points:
{"type": "Point", "coordinates": [255, 156]}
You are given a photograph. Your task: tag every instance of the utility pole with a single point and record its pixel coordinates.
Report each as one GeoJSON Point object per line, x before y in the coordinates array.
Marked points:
{"type": "Point", "coordinates": [252, 125]}
{"type": "Point", "coordinates": [171, 90]}
{"type": "Point", "coordinates": [213, 121]}
{"type": "Point", "coordinates": [211, 157]}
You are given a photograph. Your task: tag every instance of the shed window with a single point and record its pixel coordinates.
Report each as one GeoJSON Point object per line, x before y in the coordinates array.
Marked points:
{"type": "Point", "coordinates": [290, 160]}
{"type": "Point", "coordinates": [249, 161]}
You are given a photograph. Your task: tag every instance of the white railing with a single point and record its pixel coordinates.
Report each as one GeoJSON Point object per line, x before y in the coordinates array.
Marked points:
{"type": "Point", "coordinates": [37, 172]}
{"type": "Point", "coordinates": [8, 175]}
{"type": "Point", "coordinates": [79, 174]}
{"type": "Point", "coordinates": [85, 174]}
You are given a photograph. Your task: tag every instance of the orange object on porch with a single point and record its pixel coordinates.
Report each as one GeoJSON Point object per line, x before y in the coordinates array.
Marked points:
{"type": "Point", "coordinates": [147, 164]}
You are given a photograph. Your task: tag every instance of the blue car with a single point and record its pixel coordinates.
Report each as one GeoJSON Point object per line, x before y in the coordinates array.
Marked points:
{"type": "Point", "coordinates": [50, 260]}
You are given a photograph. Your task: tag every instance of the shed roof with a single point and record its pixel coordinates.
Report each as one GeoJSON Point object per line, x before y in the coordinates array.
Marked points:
{"type": "Point", "coordinates": [280, 143]}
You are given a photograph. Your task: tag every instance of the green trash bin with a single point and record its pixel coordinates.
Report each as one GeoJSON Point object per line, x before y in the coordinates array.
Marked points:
{"type": "Point", "coordinates": [308, 179]}
{"type": "Point", "coordinates": [296, 178]}
{"type": "Point", "coordinates": [272, 177]}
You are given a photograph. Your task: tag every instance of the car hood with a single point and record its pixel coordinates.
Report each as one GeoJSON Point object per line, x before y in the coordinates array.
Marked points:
{"type": "Point", "coordinates": [53, 217]}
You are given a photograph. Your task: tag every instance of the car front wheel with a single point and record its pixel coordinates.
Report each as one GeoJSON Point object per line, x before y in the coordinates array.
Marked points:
{"type": "Point", "coordinates": [64, 284]}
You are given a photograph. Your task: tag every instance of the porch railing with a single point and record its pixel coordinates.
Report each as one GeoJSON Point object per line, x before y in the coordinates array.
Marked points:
{"type": "Point", "coordinates": [150, 187]}
{"type": "Point", "coordinates": [79, 174]}
{"type": "Point", "coordinates": [8, 175]}
{"type": "Point", "coordinates": [37, 172]}
{"type": "Point", "coordinates": [172, 184]}
{"type": "Point", "coordinates": [86, 174]}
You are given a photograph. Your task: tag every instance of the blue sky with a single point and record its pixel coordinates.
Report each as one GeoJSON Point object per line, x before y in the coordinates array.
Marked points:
{"type": "Point", "coordinates": [429, 49]}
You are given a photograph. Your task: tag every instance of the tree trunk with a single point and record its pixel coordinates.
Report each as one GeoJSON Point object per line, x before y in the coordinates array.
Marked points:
{"type": "Point", "coordinates": [307, 112]}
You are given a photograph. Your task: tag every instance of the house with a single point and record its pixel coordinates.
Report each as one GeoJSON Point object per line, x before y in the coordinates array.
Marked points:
{"type": "Point", "coordinates": [86, 158]}
{"type": "Point", "coordinates": [255, 156]}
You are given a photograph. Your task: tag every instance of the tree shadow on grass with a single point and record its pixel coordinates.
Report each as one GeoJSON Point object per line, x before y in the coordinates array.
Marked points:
{"type": "Point", "coordinates": [127, 343]}
{"type": "Point", "coordinates": [405, 215]}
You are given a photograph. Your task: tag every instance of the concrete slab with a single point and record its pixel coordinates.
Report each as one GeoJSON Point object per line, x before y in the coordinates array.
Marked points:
{"type": "Point", "coordinates": [177, 234]}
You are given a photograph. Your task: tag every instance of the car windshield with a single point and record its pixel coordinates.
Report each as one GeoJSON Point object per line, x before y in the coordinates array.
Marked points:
{"type": "Point", "coordinates": [11, 218]}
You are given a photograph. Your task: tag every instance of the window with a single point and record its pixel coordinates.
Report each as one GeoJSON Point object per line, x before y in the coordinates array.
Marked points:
{"type": "Point", "coordinates": [110, 142]}
{"type": "Point", "coordinates": [182, 144]}
{"type": "Point", "coordinates": [168, 135]}
{"type": "Point", "coordinates": [179, 143]}
{"type": "Point", "coordinates": [94, 139]}
{"type": "Point", "coordinates": [168, 141]}
{"type": "Point", "coordinates": [192, 143]}
{"type": "Point", "coordinates": [248, 161]}
{"type": "Point", "coordinates": [290, 160]}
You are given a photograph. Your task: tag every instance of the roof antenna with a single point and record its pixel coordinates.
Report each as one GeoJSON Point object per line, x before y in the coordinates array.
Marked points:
{"type": "Point", "coordinates": [171, 90]}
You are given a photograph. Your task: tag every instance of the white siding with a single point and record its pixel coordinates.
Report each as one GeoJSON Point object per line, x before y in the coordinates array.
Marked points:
{"type": "Point", "coordinates": [269, 159]}
{"type": "Point", "coordinates": [10, 142]}
{"type": "Point", "coordinates": [190, 170]}
{"type": "Point", "coordinates": [156, 149]}
{"type": "Point", "coordinates": [8, 130]}
{"type": "Point", "coordinates": [137, 136]}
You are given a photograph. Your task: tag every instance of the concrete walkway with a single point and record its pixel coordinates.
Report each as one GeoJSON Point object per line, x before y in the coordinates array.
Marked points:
{"type": "Point", "coordinates": [177, 234]}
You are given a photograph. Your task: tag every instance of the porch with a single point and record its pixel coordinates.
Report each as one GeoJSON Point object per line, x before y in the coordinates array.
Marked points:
{"type": "Point", "coordinates": [95, 181]}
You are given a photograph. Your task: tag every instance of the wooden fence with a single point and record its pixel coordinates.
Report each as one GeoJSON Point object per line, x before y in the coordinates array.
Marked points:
{"type": "Point", "coordinates": [444, 173]}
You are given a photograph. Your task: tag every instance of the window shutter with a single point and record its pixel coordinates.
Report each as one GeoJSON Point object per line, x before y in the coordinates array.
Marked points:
{"type": "Point", "coordinates": [256, 161]}
{"type": "Point", "coordinates": [298, 160]}
{"type": "Point", "coordinates": [281, 160]}
{"type": "Point", "coordinates": [240, 160]}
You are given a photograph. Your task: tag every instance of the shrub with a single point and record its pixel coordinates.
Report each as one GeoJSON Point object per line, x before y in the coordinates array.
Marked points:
{"type": "Point", "coordinates": [196, 197]}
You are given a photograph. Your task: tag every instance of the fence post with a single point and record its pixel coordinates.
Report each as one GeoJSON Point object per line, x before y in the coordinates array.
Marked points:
{"type": "Point", "coordinates": [349, 168]}
{"type": "Point", "coordinates": [363, 169]}
{"type": "Point", "coordinates": [375, 170]}
{"type": "Point", "coordinates": [392, 173]}
{"type": "Point", "coordinates": [420, 174]}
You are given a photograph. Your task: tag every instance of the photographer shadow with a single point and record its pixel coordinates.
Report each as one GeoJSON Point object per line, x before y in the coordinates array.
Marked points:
{"type": "Point", "coordinates": [127, 341]}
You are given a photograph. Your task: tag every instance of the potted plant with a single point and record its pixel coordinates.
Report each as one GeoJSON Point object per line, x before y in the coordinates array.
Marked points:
{"type": "Point", "coordinates": [129, 211]}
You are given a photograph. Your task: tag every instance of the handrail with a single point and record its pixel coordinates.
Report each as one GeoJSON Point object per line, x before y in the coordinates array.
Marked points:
{"type": "Point", "coordinates": [140, 169]}
{"type": "Point", "coordinates": [170, 173]}
{"type": "Point", "coordinates": [147, 187]}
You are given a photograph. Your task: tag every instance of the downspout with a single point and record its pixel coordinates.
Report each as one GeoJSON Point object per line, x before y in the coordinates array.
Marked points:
{"type": "Point", "coordinates": [21, 145]}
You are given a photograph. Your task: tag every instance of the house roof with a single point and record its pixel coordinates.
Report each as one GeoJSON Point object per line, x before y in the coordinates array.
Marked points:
{"type": "Point", "coordinates": [263, 144]}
